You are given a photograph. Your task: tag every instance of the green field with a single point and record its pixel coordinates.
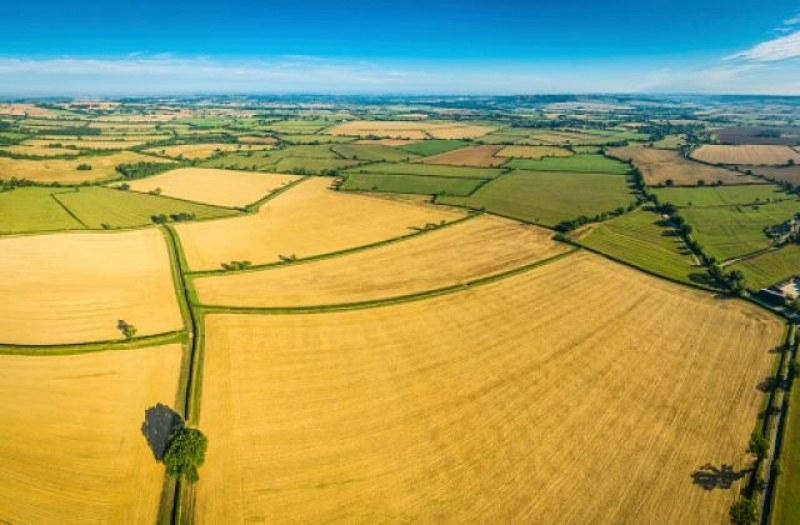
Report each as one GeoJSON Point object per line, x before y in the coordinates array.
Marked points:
{"type": "Point", "coordinates": [33, 209]}
{"type": "Point", "coordinates": [641, 239]}
{"type": "Point", "coordinates": [410, 184]}
{"type": "Point", "coordinates": [787, 498]}
{"type": "Point", "coordinates": [721, 195]}
{"type": "Point", "coordinates": [434, 170]}
{"type": "Point", "coordinates": [372, 153]}
{"type": "Point", "coordinates": [578, 163]}
{"type": "Point", "coordinates": [314, 139]}
{"type": "Point", "coordinates": [771, 267]}
{"type": "Point", "coordinates": [732, 231]}
{"type": "Point", "coordinates": [95, 206]}
{"type": "Point", "coordinates": [433, 147]}
{"type": "Point", "coordinates": [506, 136]}
{"type": "Point", "coordinates": [548, 197]}
{"type": "Point", "coordinates": [310, 158]}
{"type": "Point", "coordinates": [298, 126]}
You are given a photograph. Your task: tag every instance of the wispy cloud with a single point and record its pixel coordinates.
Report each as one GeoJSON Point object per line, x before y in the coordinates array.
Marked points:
{"type": "Point", "coordinates": [780, 48]}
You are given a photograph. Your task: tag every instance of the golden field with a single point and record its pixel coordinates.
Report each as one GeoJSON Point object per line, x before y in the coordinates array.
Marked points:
{"type": "Point", "coordinates": [414, 130]}
{"type": "Point", "coordinates": [478, 247]}
{"type": "Point", "coordinates": [545, 397]}
{"type": "Point", "coordinates": [72, 450]}
{"type": "Point", "coordinates": [308, 219]}
{"type": "Point", "coordinates": [658, 166]}
{"type": "Point", "coordinates": [746, 154]}
{"type": "Point", "coordinates": [212, 186]}
{"type": "Point", "coordinates": [66, 170]}
{"type": "Point", "coordinates": [200, 151]}
{"type": "Point", "coordinates": [480, 156]}
{"type": "Point", "coordinates": [75, 287]}
{"type": "Point", "coordinates": [39, 150]}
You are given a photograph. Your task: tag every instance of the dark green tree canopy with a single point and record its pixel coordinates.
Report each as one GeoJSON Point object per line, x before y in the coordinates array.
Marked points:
{"type": "Point", "coordinates": [186, 451]}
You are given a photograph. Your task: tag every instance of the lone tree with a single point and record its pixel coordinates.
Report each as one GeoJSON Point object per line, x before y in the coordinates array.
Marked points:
{"type": "Point", "coordinates": [743, 512]}
{"type": "Point", "coordinates": [758, 444]}
{"type": "Point", "coordinates": [186, 451]}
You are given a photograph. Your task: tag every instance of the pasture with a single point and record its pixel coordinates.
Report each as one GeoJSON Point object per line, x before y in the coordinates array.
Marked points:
{"type": "Point", "coordinates": [479, 156]}
{"type": "Point", "coordinates": [33, 209]}
{"type": "Point", "coordinates": [416, 184]}
{"type": "Point", "coordinates": [66, 170]}
{"type": "Point", "coordinates": [72, 450]}
{"type": "Point", "coordinates": [548, 197]}
{"type": "Point", "coordinates": [746, 154]}
{"type": "Point", "coordinates": [481, 246]}
{"type": "Point", "coordinates": [75, 287]}
{"type": "Point", "coordinates": [487, 402]}
{"type": "Point", "coordinates": [97, 206]}
{"type": "Point", "coordinates": [641, 239]}
{"type": "Point", "coordinates": [662, 167]}
{"type": "Point", "coordinates": [576, 163]}
{"type": "Point", "coordinates": [722, 195]}
{"type": "Point", "coordinates": [771, 267]}
{"type": "Point", "coordinates": [430, 146]}
{"type": "Point", "coordinates": [219, 187]}
{"type": "Point", "coordinates": [432, 170]}
{"type": "Point", "coordinates": [309, 219]}
{"type": "Point", "coordinates": [787, 503]}
{"type": "Point", "coordinates": [372, 153]}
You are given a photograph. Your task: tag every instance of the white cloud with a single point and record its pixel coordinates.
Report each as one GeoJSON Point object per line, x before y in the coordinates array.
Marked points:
{"type": "Point", "coordinates": [780, 48]}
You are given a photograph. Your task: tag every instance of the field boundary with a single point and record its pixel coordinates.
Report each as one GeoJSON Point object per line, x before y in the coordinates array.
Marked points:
{"type": "Point", "coordinates": [94, 346]}
{"type": "Point", "coordinates": [69, 212]}
{"type": "Point", "coordinates": [387, 301]}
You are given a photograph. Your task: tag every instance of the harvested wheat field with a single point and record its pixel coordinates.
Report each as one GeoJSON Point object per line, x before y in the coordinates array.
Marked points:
{"type": "Point", "coordinates": [308, 219]}
{"type": "Point", "coordinates": [481, 156]}
{"type": "Point", "coordinates": [595, 404]}
{"type": "Point", "coordinates": [96, 143]}
{"type": "Point", "coordinates": [478, 247]}
{"type": "Point", "coordinates": [66, 170]}
{"type": "Point", "coordinates": [746, 154]}
{"type": "Point", "coordinates": [257, 140]}
{"type": "Point", "coordinates": [414, 130]}
{"type": "Point", "coordinates": [387, 142]}
{"type": "Point", "coordinates": [75, 287]}
{"type": "Point", "coordinates": [659, 166]}
{"type": "Point", "coordinates": [533, 152]}
{"type": "Point", "coordinates": [201, 151]}
{"type": "Point", "coordinates": [72, 450]}
{"type": "Point", "coordinates": [220, 187]}
{"type": "Point", "coordinates": [39, 151]}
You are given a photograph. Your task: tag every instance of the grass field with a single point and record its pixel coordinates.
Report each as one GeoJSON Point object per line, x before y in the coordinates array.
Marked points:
{"type": "Point", "coordinates": [640, 238]}
{"type": "Point", "coordinates": [96, 206]}
{"type": "Point", "coordinates": [457, 254]}
{"type": "Point", "coordinates": [417, 184]}
{"type": "Point", "coordinates": [409, 129]}
{"type": "Point", "coordinates": [75, 287]}
{"type": "Point", "coordinates": [721, 195]}
{"type": "Point", "coordinates": [432, 170]}
{"type": "Point", "coordinates": [548, 197]}
{"type": "Point", "coordinates": [771, 267]}
{"type": "Point", "coordinates": [33, 209]}
{"type": "Point", "coordinates": [309, 219]}
{"type": "Point", "coordinates": [732, 231]}
{"type": "Point", "coordinates": [534, 152]}
{"type": "Point", "coordinates": [659, 166]}
{"type": "Point", "coordinates": [66, 170]}
{"type": "Point", "coordinates": [479, 156]}
{"type": "Point", "coordinates": [787, 503]}
{"type": "Point", "coordinates": [746, 154]}
{"type": "Point", "coordinates": [577, 163]}
{"type": "Point", "coordinates": [306, 138]}
{"type": "Point", "coordinates": [219, 187]}
{"type": "Point", "coordinates": [309, 158]}
{"type": "Point", "coordinates": [373, 153]}
{"type": "Point", "coordinates": [72, 451]}
{"type": "Point", "coordinates": [431, 146]}
{"type": "Point", "coordinates": [486, 402]}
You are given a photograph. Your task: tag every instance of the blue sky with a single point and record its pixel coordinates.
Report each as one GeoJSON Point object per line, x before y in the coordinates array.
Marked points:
{"type": "Point", "coordinates": [467, 46]}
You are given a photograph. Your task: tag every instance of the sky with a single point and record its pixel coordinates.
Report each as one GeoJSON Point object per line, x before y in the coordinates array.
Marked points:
{"type": "Point", "coordinates": [138, 47]}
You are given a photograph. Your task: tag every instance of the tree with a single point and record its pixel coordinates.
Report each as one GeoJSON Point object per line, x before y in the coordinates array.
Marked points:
{"type": "Point", "coordinates": [743, 512]}
{"type": "Point", "coordinates": [758, 444]}
{"type": "Point", "coordinates": [186, 451]}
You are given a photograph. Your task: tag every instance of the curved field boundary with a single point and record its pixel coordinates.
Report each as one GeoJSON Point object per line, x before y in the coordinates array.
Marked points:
{"type": "Point", "coordinates": [358, 305]}
{"type": "Point", "coordinates": [96, 346]}
{"type": "Point", "coordinates": [338, 253]}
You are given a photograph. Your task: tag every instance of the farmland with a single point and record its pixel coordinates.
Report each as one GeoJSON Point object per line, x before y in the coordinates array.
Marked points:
{"type": "Point", "coordinates": [416, 416]}
{"type": "Point", "coordinates": [219, 187]}
{"type": "Point", "coordinates": [548, 197]}
{"type": "Point", "coordinates": [416, 130]}
{"type": "Point", "coordinates": [199, 151]}
{"type": "Point", "coordinates": [748, 155]}
{"type": "Point", "coordinates": [771, 267]}
{"type": "Point", "coordinates": [576, 163]}
{"type": "Point", "coordinates": [104, 208]}
{"type": "Point", "coordinates": [666, 167]}
{"type": "Point", "coordinates": [292, 225]}
{"type": "Point", "coordinates": [96, 280]}
{"type": "Point", "coordinates": [433, 170]}
{"type": "Point", "coordinates": [403, 183]}
{"type": "Point", "coordinates": [722, 195]}
{"type": "Point", "coordinates": [642, 239]}
{"type": "Point", "coordinates": [469, 250]}
{"type": "Point", "coordinates": [430, 147]}
{"type": "Point", "coordinates": [67, 170]}
{"type": "Point", "coordinates": [533, 152]}
{"type": "Point", "coordinates": [72, 451]}
{"type": "Point", "coordinates": [33, 209]}
{"type": "Point", "coordinates": [480, 156]}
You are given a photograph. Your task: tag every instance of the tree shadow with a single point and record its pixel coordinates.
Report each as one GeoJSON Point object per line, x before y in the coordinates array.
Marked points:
{"type": "Point", "coordinates": [710, 477]}
{"type": "Point", "coordinates": [160, 421]}
{"type": "Point", "coordinates": [702, 278]}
